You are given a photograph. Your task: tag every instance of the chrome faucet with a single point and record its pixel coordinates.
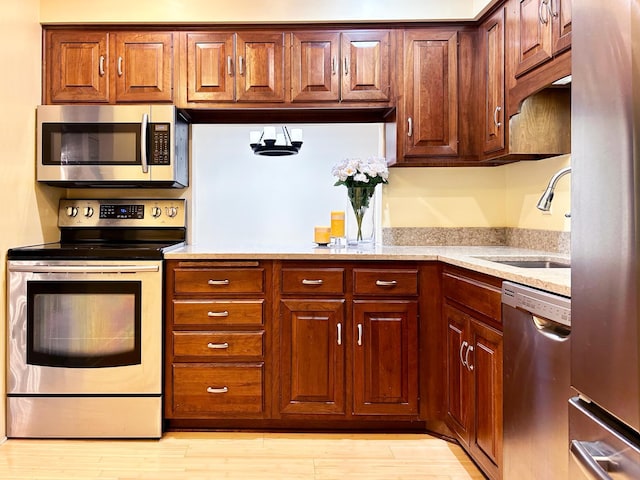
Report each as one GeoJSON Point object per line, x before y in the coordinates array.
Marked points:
{"type": "Point", "coordinates": [544, 203]}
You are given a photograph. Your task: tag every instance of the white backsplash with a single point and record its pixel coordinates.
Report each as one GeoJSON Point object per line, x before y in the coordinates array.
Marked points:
{"type": "Point", "coordinates": [244, 199]}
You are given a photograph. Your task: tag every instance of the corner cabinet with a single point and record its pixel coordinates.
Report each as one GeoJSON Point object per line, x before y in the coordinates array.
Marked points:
{"type": "Point", "coordinates": [472, 313]}
{"type": "Point", "coordinates": [348, 353]}
{"type": "Point", "coordinates": [87, 66]}
{"type": "Point", "coordinates": [217, 333]}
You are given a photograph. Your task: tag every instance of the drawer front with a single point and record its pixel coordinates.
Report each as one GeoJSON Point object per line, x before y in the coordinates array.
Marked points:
{"type": "Point", "coordinates": [218, 312]}
{"type": "Point", "coordinates": [219, 280]}
{"type": "Point", "coordinates": [218, 344]}
{"type": "Point", "coordinates": [218, 389]}
{"type": "Point", "coordinates": [385, 281]}
{"type": "Point", "coordinates": [473, 294]}
{"type": "Point", "coordinates": [313, 280]}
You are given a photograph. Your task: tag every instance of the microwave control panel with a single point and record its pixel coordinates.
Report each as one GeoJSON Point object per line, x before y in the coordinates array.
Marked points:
{"type": "Point", "coordinates": [159, 144]}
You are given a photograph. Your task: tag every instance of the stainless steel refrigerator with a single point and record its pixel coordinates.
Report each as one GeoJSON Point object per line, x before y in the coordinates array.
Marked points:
{"type": "Point", "coordinates": [604, 416]}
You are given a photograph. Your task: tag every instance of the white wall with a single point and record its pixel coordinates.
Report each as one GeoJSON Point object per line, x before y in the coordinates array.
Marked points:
{"type": "Point", "coordinates": [240, 198]}
{"type": "Point", "coordinates": [243, 11]}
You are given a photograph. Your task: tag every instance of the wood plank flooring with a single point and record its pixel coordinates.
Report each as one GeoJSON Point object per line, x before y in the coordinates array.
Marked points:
{"type": "Point", "coordinates": [235, 455]}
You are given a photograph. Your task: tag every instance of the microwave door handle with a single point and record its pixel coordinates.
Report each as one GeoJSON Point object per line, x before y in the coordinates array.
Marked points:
{"type": "Point", "coordinates": [143, 143]}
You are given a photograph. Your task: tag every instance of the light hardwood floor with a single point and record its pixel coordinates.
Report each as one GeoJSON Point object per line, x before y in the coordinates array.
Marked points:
{"type": "Point", "coordinates": [234, 455]}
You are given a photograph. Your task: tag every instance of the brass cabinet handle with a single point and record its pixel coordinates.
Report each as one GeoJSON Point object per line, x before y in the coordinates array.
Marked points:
{"type": "Point", "coordinates": [218, 282]}
{"type": "Point", "coordinates": [306, 281]}
{"type": "Point", "coordinates": [240, 65]}
{"type": "Point", "coordinates": [346, 66]}
{"type": "Point", "coordinates": [359, 334]}
{"type": "Point", "coordinates": [544, 5]}
{"type": "Point", "coordinates": [224, 313]}
{"type": "Point", "coordinates": [120, 60]}
{"type": "Point", "coordinates": [101, 66]}
{"type": "Point", "coordinates": [410, 127]}
{"type": "Point", "coordinates": [339, 334]}
{"type": "Point", "coordinates": [219, 346]}
{"type": "Point", "coordinates": [229, 66]}
{"type": "Point", "coordinates": [386, 283]}
{"type": "Point", "coordinates": [334, 62]}
{"type": "Point", "coordinates": [217, 390]}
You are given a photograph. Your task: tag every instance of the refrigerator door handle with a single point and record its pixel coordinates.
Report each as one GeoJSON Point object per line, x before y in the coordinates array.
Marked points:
{"type": "Point", "coordinates": [592, 465]}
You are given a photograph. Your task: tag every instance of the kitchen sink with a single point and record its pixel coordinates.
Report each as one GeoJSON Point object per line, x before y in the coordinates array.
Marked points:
{"type": "Point", "coordinates": [534, 262]}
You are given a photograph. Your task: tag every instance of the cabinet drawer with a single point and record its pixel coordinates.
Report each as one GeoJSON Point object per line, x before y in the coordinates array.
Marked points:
{"type": "Point", "coordinates": [219, 280]}
{"type": "Point", "coordinates": [385, 281]}
{"type": "Point", "coordinates": [218, 312]}
{"type": "Point", "coordinates": [474, 294]}
{"type": "Point", "coordinates": [218, 344]}
{"type": "Point", "coordinates": [218, 389]}
{"type": "Point", "coordinates": [313, 280]}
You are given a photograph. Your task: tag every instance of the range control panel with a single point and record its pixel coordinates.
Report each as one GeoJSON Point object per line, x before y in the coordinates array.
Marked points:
{"type": "Point", "coordinates": [139, 213]}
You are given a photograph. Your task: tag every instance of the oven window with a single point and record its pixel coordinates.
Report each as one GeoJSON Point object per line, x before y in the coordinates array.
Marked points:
{"type": "Point", "coordinates": [83, 324]}
{"type": "Point", "coordinates": [91, 144]}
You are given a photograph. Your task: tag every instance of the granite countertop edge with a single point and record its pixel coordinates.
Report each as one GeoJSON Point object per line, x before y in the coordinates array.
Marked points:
{"type": "Point", "coordinates": [555, 280]}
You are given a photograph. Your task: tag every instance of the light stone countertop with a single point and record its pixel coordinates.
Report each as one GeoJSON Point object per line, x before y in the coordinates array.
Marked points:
{"type": "Point", "coordinates": [555, 280]}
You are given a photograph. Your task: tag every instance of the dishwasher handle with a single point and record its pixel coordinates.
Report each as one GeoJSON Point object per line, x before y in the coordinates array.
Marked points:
{"type": "Point", "coordinates": [552, 330]}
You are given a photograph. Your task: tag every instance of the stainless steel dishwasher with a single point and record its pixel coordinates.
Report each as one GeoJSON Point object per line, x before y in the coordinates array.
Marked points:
{"type": "Point", "coordinates": [536, 371]}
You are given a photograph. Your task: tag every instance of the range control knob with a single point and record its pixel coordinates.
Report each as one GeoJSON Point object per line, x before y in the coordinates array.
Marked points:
{"type": "Point", "coordinates": [72, 211]}
{"type": "Point", "coordinates": [156, 212]}
{"type": "Point", "coordinates": [172, 212]}
{"type": "Point", "coordinates": [88, 212]}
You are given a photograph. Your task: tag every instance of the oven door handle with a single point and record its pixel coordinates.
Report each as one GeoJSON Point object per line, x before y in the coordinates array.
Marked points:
{"type": "Point", "coordinates": [84, 268]}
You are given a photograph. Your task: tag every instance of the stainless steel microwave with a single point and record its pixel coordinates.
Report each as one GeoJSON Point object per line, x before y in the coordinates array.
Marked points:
{"type": "Point", "coordinates": [112, 146]}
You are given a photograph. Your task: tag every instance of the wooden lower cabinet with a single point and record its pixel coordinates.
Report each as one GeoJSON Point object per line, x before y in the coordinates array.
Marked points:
{"type": "Point", "coordinates": [385, 357]}
{"type": "Point", "coordinates": [474, 369]}
{"type": "Point", "coordinates": [348, 353]}
{"type": "Point", "coordinates": [312, 356]}
{"type": "Point", "coordinates": [217, 362]}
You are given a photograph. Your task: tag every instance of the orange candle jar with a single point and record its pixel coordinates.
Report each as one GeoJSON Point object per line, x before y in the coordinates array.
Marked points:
{"type": "Point", "coordinates": [337, 224]}
{"type": "Point", "coordinates": [322, 235]}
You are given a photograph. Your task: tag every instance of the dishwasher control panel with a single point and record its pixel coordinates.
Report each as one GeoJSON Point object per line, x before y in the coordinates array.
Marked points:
{"type": "Point", "coordinates": [540, 303]}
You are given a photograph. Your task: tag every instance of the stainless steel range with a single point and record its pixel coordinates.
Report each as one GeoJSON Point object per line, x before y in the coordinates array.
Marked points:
{"type": "Point", "coordinates": [85, 322]}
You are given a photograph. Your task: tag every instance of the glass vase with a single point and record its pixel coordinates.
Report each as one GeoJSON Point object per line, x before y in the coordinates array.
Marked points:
{"type": "Point", "coordinates": [360, 222]}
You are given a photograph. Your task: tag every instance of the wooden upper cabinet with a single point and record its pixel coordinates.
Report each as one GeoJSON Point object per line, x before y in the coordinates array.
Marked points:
{"type": "Point", "coordinates": [144, 67]}
{"type": "Point", "coordinates": [366, 69]}
{"type": "Point", "coordinates": [210, 67]}
{"type": "Point", "coordinates": [543, 30]}
{"type": "Point", "coordinates": [104, 67]}
{"type": "Point", "coordinates": [430, 93]}
{"type": "Point", "coordinates": [492, 48]}
{"type": "Point", "coordinates": [260, 63]}
{"type": "Point", "coordinates": [76, 68]}
{"type": "Point", "coordinates": [562, 23]}
{"type": "Point", "coordinates": [315, 65]}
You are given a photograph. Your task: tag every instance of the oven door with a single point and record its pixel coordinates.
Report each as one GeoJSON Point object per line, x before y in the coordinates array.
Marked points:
{"type": "Point", "coordinates": [84, 327]}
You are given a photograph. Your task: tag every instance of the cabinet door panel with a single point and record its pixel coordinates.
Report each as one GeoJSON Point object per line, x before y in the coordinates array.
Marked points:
{"type": "Point", "coordinates": [312, 357]}
{"type": "Point", "coordinates": [493, 50]}
{"type": "Point", "coordinates": [385, 358]}
{"type": "Point", "coordinates": [315, 67]}
{"type": "Point", "coordinates": [210, 68]}
{"type": "Point", "coordinates": [431, 93]}
{"type": "Point", "coordinates": [562, 24]}
{"type": "Point", "coordinates": [260, 67]}
{"type": "Point", "coordinates": [78, 69]}
{"type": "Point", "coordinates": [487, 365]}
{"type": "Point", "coordinates": [458, 381]}
{"type": "Point", "coordinates": [534, 35]}
{"type": "Point", "coordinates": [144, 67]}
{"type": "Point", "coordinates": [366, 66]}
